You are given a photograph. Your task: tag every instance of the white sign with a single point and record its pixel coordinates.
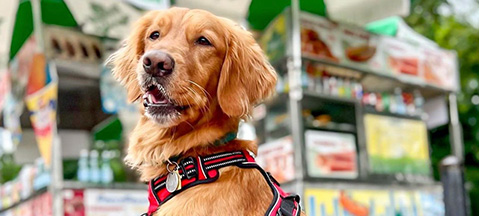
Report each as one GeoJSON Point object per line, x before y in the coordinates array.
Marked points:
{"type": "Point", "coordinates": [276, 157]}
{"type": "Point", "coordinates": [108, 202]}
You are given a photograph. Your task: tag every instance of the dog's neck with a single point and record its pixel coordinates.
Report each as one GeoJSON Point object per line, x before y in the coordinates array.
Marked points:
{"type": "Point", "coordinates": [150, 146]}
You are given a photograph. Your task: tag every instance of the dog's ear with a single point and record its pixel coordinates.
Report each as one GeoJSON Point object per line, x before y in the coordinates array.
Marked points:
{"type": "Point", "coordinates": [125, 61]}
{"type": "Point", "coordinates": [246, 75]}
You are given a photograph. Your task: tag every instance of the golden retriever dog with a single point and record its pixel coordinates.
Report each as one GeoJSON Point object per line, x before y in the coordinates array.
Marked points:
{"type": "Point", "coordinates": [197, 76]}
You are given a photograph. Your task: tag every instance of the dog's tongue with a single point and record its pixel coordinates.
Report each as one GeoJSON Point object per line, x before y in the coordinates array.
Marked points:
{"type": "Point", "coordinates": [155, 96]}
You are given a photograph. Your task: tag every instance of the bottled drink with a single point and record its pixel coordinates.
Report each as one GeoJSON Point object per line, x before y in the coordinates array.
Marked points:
{"type": "Point", "coordinates": [106, 171]}
{"type": "Point", "coordinates": [83, 172]}
{"type": "Point", "coordinates": [418, 102]}
{"type": "Point", "coordinates": [400, 106]}
{"type": "Point", "coordinates": [94, 168]}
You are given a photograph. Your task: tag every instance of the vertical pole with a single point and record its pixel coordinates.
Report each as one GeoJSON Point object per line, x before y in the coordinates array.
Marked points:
{"type": "Point", "coordinates": [38, 26]}
{"type": "Point", "coordinates": [57, 164]}
{"type": "Point", "coordinates": [56, 168]}
{"type": "Point", "coordinates": [455, 129]}
{"type": "Point", "coordinates": [296, 94]}
{"type": "Point", "coordinates": [452, 178]}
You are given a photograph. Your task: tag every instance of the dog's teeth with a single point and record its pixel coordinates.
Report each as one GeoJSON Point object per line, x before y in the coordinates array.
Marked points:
{"type": "Point", "coordinates": [151, 98]}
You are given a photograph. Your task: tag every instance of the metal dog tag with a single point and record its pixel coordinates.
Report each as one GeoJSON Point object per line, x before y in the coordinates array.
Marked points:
{"type": "Point", "coordinates": [173, 181]}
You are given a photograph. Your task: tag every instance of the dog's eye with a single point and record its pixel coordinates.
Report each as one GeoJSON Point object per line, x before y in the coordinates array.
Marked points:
{"type": "Point", "coordinates": [155, 35]}
{"type": "Point", "coordinates": [203, 41]}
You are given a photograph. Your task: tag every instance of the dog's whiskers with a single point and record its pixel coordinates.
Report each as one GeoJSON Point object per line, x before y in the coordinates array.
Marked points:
{"type": "Point", "coordinates": [204, 109]}
{"type": "Point", "coordinates": [207, 94]}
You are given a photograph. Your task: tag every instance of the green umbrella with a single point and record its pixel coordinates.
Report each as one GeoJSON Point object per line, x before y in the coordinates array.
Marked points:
{"type": "Point", "coordinates": [261, 12]}
{"type": "Point", "coordinates": [105, 18]}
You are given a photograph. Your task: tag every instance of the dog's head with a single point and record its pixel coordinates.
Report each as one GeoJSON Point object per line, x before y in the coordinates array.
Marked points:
{"type": "Point", "coordinates": [184, 64]}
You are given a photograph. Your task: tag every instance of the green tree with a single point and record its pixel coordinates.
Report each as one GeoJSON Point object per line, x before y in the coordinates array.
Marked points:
{"type": "Point", "coordinates": [452, 32]}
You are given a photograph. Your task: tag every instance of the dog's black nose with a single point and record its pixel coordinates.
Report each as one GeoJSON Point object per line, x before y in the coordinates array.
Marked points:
{"type": "Point", "coordinates": [158, 63]}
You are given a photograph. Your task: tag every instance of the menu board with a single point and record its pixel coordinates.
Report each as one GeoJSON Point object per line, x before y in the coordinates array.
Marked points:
{"type": "Point", "coordinates": [276, 157]}
{"type": "Point", "coordinates": [352, 46]}
{"type": "Point", "coordinates": [331, 154]}
{"type": "Point", "coordinates": [396, 145]}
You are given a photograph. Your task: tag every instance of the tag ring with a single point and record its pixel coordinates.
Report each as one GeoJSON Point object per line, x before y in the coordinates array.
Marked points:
{"type": "Point", "coordinates": [171, 163]}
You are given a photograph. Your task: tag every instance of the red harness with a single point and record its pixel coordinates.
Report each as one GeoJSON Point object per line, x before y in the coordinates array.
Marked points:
{"type": "Point", "coordinates": [201, 170]}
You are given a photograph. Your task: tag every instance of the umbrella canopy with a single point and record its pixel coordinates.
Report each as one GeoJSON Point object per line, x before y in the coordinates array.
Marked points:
{"type": "Point", "coordinates": [105, 18]}
{"type": "Point", "coordinates": [261, 12]}
{"type": "Point", "coordinates": [358, 12]}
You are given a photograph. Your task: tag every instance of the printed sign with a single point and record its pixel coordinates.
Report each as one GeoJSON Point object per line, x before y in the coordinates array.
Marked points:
{"type": "Point", "coordinates": [362, 202]}
{"type": "Point", "coordinates": [440, 67]}
{"type": "Point", "coordinates": [115, 202]}
{"type": "Point", "coordinates": [276, 157]}
{"type": "Point", "coordinates": [330, 154]}
{"type": "Point", "coordinates": [73, 203]}
{"type": "Point", "coordinates": [320, 38]}
{"type": "Point", "coordinates": [396, 145]}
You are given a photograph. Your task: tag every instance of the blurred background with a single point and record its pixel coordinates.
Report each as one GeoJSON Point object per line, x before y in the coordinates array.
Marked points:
{"type": "Point", "coordinates": [376, 111]}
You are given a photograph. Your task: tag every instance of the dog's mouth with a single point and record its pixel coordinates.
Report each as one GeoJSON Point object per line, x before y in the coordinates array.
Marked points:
{"type": "Point", "coordinates": [158, 104]}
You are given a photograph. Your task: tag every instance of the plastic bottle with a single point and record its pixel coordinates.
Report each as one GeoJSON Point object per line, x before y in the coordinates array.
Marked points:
{"type": "Point", "coordinates": [340, 87]}
{"type": "Point", "coordinates": [333, 86]}
{"type": "Point", "coordinates": [358, 91]}
{"type": "Point", "coordinates": [94, 169]}
{"type": "Point", "coordinates": [347, 89]}
{"type": "Point", "coordinates": [400, 106]}
{"type": "Point", "coordinates": [106, 171]}
{"type": "Point", "coordinates": [326, 88]}
{"type": "Point", "coordinates": [83, 172]}
{"type": "Point", "coordinates": [418, 102]}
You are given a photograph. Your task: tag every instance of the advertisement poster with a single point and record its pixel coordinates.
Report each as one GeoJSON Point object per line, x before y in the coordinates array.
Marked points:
{"type": "Point", "coordinates": [273, 41]}
{"type": "Point", "coordinates": [320, 38]}
{"type": "Point", "coordinates": [360, 48]}
{"type": "Point", "coordinates": [401, 58]}
{"type": "Point", "coordinates": [362, 202]}
{"type": "Point", "coordinates": [41, 101]}
{"type": "Point", "coordinates": [330, 154]}
{"type": "Point", "coordinates": [276, 157]}
{"type": "Point", "coordinates": [105, 202]}
{"type": "Point", "coordinates": [73, 203]}
{"type": "Point", "coordinates": [440, 67]}
{"type": "Point", "coordinates": [396, 145]}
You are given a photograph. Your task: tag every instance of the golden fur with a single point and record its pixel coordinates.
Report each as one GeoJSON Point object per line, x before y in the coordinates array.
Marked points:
{"type": "Point", "coordinates": [220, 84]}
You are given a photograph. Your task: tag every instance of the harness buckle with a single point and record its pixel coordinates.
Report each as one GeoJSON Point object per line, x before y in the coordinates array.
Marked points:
{"type": "Point", "coordinates": [190, 173]}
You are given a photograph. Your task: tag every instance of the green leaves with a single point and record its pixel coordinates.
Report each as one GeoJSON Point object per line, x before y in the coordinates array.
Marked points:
{"type": "Point", "coordinates": [450, 33]}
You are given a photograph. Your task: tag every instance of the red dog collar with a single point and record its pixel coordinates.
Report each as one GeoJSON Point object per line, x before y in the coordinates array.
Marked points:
{"type": "Point", "coordinates": [201, 170]}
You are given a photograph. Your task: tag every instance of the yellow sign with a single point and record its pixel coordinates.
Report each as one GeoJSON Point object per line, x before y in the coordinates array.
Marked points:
{"type": "Point", "coordinates": [397, 145]}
